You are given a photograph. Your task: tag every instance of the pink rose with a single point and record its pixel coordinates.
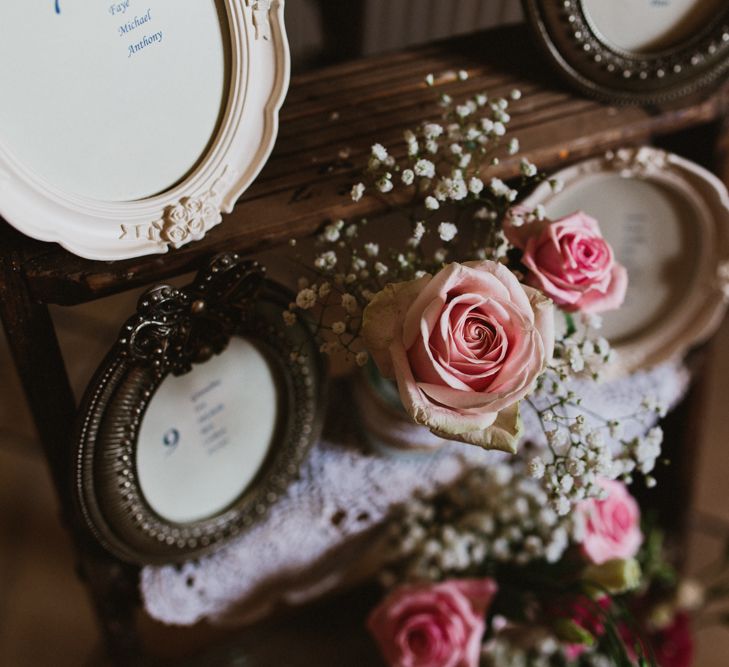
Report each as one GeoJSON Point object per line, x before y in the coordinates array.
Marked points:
{"type": "Point", "coordinates": [570, 261]}
{"type": "Point", "coordinates": [438, 625]}
{"type": "Point", "coordinates": [465, 346]}
{"type": "Point", "coordinates": [612, 526]}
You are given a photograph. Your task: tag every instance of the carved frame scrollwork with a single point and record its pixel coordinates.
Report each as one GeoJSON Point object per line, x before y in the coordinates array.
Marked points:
{"type": "Point", "coordinates": [173, 330]}
{"type": "Point", "coordinates": [602, 70]}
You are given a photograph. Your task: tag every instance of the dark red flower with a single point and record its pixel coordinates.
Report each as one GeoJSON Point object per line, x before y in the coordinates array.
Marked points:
{"type": "Point", "coordinates": [674, 646]}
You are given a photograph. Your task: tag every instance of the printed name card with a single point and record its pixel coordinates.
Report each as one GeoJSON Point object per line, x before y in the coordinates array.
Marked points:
{"type": "Point", "coordinates": [645, 26]}
{"type": "Point", "coordinates": [110, 119]}
{"type": "Point", "coordinates": [115, 113]}
{"type": "Point", "coordinates": [206, 434]}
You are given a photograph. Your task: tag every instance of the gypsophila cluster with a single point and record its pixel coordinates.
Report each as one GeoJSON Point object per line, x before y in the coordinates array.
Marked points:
{"type": "Point", "coordinates": [441, 170]}
{"type": "Point", "coordinates": [498, 514]}
{"type": "Point", "coordinates": [520, 647]}
{"type": "Point", "coordinates": [584, 448]}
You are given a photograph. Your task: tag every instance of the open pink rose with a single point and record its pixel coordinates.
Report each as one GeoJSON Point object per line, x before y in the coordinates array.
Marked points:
{"type": "Point", "coordinates": [465, 346]}
{"type": "Point", "coordinates": [428, 625]}
{"type": "Point", "coordinates": [612, 526]}
{"type": "Point", "coordinates": [570, 261]}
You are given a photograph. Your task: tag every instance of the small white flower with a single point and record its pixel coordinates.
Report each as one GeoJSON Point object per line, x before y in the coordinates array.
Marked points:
{"type": "Point", "coordinates": [451, 188]}
{"type": "Point", "coordinates": [487, 125]}
{"type": "Point", "coordinates": [499, 129]}
{"type": "Point", "coordinates": [372, 249]}
{"type": "Point", "coordinates": [602, 345]}
{"type": "Point", "coordinates": [432, 130]}
{"type": "Point", "coordinates": [431, 203]}
{"type": "Point", "coordinates": [331, 233]}
{"type": "Point", "coordinates": [456, 149]}
{"type": "Point", "coordinates": [536, 468]}
{"type": "Point", "coordinates": [357, 191]}
{"type": "Point", "coordinates": [481, 99]}
{"type": "Point", "coordinates": [338, 328]}
{"type": "Point", "coordinates": [306, 299]}
{"type": "Point", "coordinates": [515, 94]}
{"type": "Point", "coordinates": [440, 255]}
{"type": "Point", "coordinates": [562, 505]}
{"type": "Point", "coordinates": [465, 160]}
{"type": "Point", "coordinates": [384, 184]}
{"type": "Point", "coordinates": [408, 176]}
{"type": "Point", "coordinates": [513, 146]}
{"type": "Point", "coordinates": [289, 318]}
{"type": "Point", "coordinates": [349, 303]}
{"type": "Point", "coordinates": [429, 79]}
{"type": "Point", "coordinates": [327, 260]}
{"type": "Point", "coordinates": [527, 168]}
{"type": "Point", "coordinates": [462, 75]}
{"type": "Point", "coordinates": [379, 152]}
{"type": "Point", "coordinates": [498, 187]}
{"type": "Point", "coordinates": [418, 233]}
{"type": "Point", "coordinates": [463, 110]}
{"type": "Point", "coordinates": [475, 185]}
{"type": "Point", "coordinates": [424, 168]}
{"type": "Point", "coordinates": [381, 269]}
{"type": "Point", "coordinates": [447, 231]}
{"type": "Point", "coordinates": [566, 483]}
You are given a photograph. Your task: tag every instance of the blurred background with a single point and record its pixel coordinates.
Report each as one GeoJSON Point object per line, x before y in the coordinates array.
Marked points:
{"type": "Point", "coordinates": [45, 617]}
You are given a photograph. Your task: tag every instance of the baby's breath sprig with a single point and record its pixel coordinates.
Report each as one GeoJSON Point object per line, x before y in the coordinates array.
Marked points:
{"type": "Point", "coordinates": [583, 446]}
{"type": "Point", "coordinates": [443, 176]}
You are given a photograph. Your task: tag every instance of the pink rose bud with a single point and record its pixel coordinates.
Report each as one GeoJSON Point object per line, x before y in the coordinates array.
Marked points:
{"type": "Point", "coordinates": [570, 261]}
{"type": "Point", "coordinates": [465, 346]}
{"type": "Point", "coordinates": [612, 526]}
{"type": "Point", "coordinates": [433, 625]}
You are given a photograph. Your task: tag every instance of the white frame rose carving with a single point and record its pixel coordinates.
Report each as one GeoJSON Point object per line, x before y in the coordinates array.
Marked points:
{"type": "Point", "coordinates": [697, 315]}
{"type": "Point", "coordinates": [260, 65]}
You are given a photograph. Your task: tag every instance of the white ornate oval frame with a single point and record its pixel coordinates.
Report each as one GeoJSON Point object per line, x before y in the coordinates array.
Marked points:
{"type": "Point", "coordinates": [259, 77]}
{"type": "Point", "coordinates": [698, 312]}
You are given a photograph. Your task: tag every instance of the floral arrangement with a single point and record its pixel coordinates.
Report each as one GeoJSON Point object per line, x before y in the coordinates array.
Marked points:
{"type": "Point", "coordinates": [486, 573]}
{"type": "Point", "coordinates": [480, 308]}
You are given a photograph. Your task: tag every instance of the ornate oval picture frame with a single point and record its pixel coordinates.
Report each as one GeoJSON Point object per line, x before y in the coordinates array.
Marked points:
{"type": "Point", "coordinates": [634, 52]}
{"type": "Point", "coordinates": [168, 114]}
{"type": "Point", "coordinates": [667, 220]}
{"type": "Point", "coordinates": [199, 418]}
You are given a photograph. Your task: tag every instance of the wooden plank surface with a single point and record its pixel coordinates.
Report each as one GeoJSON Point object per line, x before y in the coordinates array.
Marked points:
{"type": "Point", "coordinates": [330, 119]}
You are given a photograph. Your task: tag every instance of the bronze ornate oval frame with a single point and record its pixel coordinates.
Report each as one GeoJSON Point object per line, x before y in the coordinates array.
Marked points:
{"type": "Point", "coordinates": [609, 73]}
{"type": "Point", "coordinates": [173, 330]}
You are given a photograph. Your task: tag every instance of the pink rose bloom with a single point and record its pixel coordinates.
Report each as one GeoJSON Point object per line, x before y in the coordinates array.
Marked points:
{"type": "Point", "coordinates": [465, 346]}
{"type": "Point", "coordinates": [428, 625]}
{"type": "Point", "coordinates": [570, 261]}
{"type": "Point", "coordinates": [612, 526]}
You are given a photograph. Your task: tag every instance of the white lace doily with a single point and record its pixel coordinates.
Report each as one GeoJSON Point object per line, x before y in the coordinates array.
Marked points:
{"type": "Point", "coordinates": [314, 539]}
